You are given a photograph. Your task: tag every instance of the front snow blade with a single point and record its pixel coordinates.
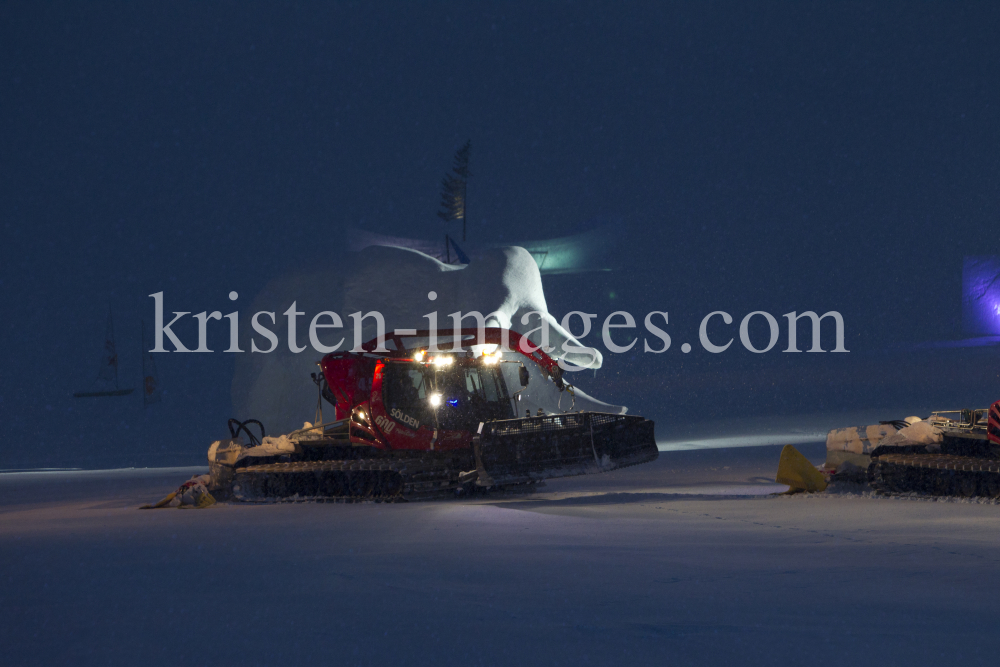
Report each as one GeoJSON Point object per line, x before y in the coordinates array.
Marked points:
{"type": "Point", "coordinates": [535, 448]}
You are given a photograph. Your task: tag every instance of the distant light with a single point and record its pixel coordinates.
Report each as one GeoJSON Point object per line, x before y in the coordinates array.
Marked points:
{"type": "Point", "coordinates": [443, 360]}
{"type": "Point", "coordinates": [453, 402]}
{"type": "Point", "coordinates": [419, 355]}
{"type": "Point", "coordinates": [492, 358]}
{"type": "Point", "coordinates": [361, 414]}
{"type": "Point", "coordinates": [981, 295]}
{"type": "Point", "coordinates": [434, 399]}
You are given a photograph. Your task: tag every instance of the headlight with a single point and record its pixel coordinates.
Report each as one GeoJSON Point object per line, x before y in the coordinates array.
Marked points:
{"type": "Point", "coordinates": [434, 399]}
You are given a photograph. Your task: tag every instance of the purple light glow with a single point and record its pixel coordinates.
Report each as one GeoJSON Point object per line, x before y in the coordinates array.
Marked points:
{"type": "Point", "coordinates": [981, 295]}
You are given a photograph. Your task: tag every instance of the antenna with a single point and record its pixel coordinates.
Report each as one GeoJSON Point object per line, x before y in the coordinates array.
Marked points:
{"type": "Point", "coordinates": [111, 323]}
{"type": "Point", "coordinates": [142, 355]}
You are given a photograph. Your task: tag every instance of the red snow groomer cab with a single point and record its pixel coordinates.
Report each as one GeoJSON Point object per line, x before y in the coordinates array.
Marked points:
{"type": "Point", "coordinates": [418, 420]}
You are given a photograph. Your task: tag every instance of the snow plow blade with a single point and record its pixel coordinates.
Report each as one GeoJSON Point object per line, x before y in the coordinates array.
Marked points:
{"type": "Point", "coordinates": [513, 451]}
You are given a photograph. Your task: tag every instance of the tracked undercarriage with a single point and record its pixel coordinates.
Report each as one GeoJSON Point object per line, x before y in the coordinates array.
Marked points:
{"type": "Point", "coordinates": [507, 454]}
{"type": "Point", "coordinates": [385, 479]}
{"type": "Point", "coordinates": [323, 465]}
{"type": "Point", "coordinates": [936, 475]}
{"type": "Point", "coordinates": [965, 462]}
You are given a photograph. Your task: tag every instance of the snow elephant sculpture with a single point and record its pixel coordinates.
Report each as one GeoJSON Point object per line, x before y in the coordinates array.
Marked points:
{"type": "Point", "coordinates": [504, 284]}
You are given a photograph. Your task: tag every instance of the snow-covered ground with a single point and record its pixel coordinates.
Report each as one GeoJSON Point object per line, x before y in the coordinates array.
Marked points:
{"type": "Point", "coordinates": [684, 561]}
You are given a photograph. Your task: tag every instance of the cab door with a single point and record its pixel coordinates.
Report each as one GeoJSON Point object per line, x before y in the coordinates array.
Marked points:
{"type": "Point", "coordinates": [399, 405]}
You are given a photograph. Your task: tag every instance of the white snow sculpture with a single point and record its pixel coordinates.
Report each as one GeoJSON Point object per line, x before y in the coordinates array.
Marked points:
{"type": "Point", "coordinates": [276, 387]}
{"type": "Point", "coordinates": [917, 433]}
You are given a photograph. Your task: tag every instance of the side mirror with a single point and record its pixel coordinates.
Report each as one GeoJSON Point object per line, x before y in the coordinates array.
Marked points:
{"type": "Point", "coordinates": [522, 373]}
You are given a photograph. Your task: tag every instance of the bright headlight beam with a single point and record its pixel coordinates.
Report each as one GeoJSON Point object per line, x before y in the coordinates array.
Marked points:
{"type": "Point", "coordinates": [434, 399]}
{"type": "Point", "coordinates": [491, 358]}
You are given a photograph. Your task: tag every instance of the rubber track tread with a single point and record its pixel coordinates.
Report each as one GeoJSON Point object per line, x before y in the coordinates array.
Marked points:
{"type": "Point", "coordinates": [419, 478]}
{"type": "Point", "coordinates": [935, 474]}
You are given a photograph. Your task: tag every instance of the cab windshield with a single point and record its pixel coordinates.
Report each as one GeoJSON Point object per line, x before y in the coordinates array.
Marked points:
{"type": "Point", "coordinates": [470, 393]}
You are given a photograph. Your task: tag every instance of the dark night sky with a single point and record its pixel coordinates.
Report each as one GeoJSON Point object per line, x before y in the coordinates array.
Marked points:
{"type": "Point", "coordinates": [789, 156]}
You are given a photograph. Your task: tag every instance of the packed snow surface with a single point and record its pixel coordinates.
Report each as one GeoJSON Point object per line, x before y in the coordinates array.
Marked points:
{"type": "Point", "coordinates": [687, 560]}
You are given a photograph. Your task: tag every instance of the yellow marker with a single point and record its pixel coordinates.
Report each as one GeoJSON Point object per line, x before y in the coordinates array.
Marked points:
{"type": "Point", "coordinates": [796, 471]}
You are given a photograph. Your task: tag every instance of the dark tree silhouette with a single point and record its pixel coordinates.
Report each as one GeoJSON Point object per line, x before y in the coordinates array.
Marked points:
{"type": "Point", "coordinates": [453, 188]}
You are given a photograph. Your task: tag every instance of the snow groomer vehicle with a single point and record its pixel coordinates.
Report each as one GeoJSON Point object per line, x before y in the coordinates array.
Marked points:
{"type": "Point", "coordinates": [951, 453]}
{"type": "Point", "coordinates": [427, 417]}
